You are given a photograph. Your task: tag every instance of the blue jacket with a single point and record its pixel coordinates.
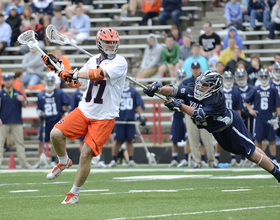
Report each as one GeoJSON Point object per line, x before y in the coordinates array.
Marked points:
{"type": "Point", "coordinates": [238, 39]}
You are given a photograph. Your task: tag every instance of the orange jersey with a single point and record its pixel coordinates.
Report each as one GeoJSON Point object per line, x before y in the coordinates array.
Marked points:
{"type": "Point", "coordinates": [18, 85]}
{"type": "Point", "coordinates": [151, 5]}
{"type": "Point", "coordinates": [66, 63]}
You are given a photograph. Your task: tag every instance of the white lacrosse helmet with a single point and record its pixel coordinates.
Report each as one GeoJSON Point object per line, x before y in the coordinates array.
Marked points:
{"type": "Point", "coordinates": [107, 42]}
{"type": "Point", "coordinates": [228, 79]}
{"type": "Point", "coordinates": [276, 71]}
{"type": "Point", "coordinates": [180, 75]}
{"type": "Point", "coordinates": [241, 77]}
{"type": "Point", "coordinates": [50, 82]}
{"type": "Point", "coordinates": [263, 77]}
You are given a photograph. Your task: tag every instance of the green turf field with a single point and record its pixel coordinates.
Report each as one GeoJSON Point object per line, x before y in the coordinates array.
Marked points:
{"type": "Point", "coordinates": [144, 192]}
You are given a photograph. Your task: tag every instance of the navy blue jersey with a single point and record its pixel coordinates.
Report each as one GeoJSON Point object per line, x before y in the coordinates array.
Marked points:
{"type": "Point", "coordinates": [178, 128]}
{"type": "Point", "coordinates": [246, 91]}
{"type": "Point", "coordinates": [129, 101]}
{"type": "Point", "coordinates": [233, 98]}
{"type": "Point", "coordinates": [75, 99]}
{"type": "Point", "coordinates": [52, 104]}
{"type": "Point", "coordinates": [217, 115]}
{"type": "Point", "coordinates": [276, 85]}
{"type": "Point", "coordinates": [265, 101]}
{"type": "Point", "coordinates": [10, 108]}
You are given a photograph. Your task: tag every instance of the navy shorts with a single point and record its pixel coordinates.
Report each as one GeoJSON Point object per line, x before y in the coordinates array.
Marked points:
{"type": "Point", "coordinates": [49, 127]}
{"type": "Point", "coordinates": [81, 138]}
{"type": "Point", "coordinates": [124, 132]}
{"type": "Point", "coordinates": [236, 138]}
{"type": "Point", "coordinates": [263, 130]}
{"type": "Point", "coordinates": [178, 131]}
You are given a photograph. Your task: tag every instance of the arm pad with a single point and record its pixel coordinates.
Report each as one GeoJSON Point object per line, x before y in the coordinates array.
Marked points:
{"type": "Point", "coordinates": [96, 74]}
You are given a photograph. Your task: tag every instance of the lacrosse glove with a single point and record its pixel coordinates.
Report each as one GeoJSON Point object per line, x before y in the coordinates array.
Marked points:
{"type": "Point", "coordinates": [142, 120]}
{"type": "Point", "coordinates": [48, 63]}
{"type": "Point", "coordinates": [152, 88]}
{"type": "Point", "coordinates": [274, 122]}
{"type": "Point", "coordinates": [41, 114]}
{"type": "Point", "coordinates": [67, 75]}
{"type": "Point", "coordinates": [173, 104]}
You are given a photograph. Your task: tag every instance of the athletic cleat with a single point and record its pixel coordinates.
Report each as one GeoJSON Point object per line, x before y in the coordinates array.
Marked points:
{"type": "Point", "coordinates": [241, 163]}
{"type": "Point", "coordinates": [214, 165]}
{"type": "Point", "coordinates": [196, 166]}
{"type": "Point", "coordinates": [254, 165]}
{"type": "Point", "coordinates": [131, 163]}
{"type": "Point", "coordinates": [55, 172]}
{"type": "Point", "coordinates": [173, 163]}
{"type": "Point", "coordinates": [203, 164]}
{"type": "Point", "coordinates": [70, 199]}
{"type": "Point", "coordinates": [112, 163]}
{"type": "Point", "coordinates": [233, 163]}
{"type": "Point", "coordinates": [40, 165]}
{"type": "Point", "coordinates": [183, 163]}
{"type": "Point", "coordinates": [101, 164]}
{"type": "Point", "coordinates": [53, 164]}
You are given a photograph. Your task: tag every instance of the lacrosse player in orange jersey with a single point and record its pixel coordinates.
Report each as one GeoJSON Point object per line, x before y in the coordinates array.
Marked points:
{"type": "Point", "coordinates": [105, 75]}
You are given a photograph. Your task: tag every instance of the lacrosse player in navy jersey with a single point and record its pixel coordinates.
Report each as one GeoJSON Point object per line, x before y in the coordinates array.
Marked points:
{"type": "Point", "coordinates": [266, 99]}
{"type": "Point", "coordinates": [205, 103]}
{"type": "Point", "coordinates": [131, 102]}
{"type": "Point", "coordinates": [50, 107]}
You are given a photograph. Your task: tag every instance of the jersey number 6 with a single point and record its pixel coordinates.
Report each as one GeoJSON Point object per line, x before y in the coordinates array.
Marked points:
{"type": "Point", "coordinates": [98, 99]}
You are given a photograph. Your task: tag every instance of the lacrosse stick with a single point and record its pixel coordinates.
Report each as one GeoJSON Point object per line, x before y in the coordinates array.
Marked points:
{"type": "Point", "coordinates": [43, 158]}
{"type": "Point", "coordinates": [150, 156]}
{"type": "Point", "coordinates": [55, 37]}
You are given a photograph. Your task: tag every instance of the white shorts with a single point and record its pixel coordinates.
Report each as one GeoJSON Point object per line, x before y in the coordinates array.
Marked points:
{"type": "Point", "coordinates": [81, 36]}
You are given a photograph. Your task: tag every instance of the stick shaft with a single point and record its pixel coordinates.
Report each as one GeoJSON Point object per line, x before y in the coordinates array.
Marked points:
{"type": "Point", "coordinates": [52, 62]}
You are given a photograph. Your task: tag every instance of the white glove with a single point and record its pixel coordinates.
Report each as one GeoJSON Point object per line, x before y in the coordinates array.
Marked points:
{"type": "Point", "coordinates": [274, 123]}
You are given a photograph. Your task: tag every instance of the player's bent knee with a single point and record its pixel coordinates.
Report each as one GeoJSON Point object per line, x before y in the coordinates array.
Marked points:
{"type": "Point", "coordinates": [56, 133]}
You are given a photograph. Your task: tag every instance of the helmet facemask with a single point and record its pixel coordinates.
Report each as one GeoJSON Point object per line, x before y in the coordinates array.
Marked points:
{"type": "Point", "coordinates": [241, 77]}
{"type": "Point", "coordinates": [50, 82]}
{"type": "Point", "coordinates": [108, 48]}
{"type": "Point", "coordinates": [180, 75]}
{"type": "Point", "coordinates": [228, 80]}
{"type": "Point", "coordinates": [263, 77]}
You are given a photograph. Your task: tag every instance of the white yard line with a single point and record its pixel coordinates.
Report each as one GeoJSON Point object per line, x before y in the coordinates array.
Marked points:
{"type": "Point", "coordinates": [144, 191]}
{"type": "Point", "coordinates": [195, 213]}
{"type": "Point", "coordinates": [94, 190]}
{"type": "Point", "coordinates": [20, 184]}
{"type": "Point", "coordinates": [236, 190]}
{"type": "Point", "coordinates": [28, 190]}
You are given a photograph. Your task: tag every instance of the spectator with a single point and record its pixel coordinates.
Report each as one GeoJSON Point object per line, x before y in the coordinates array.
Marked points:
{"type": "Point", "coordinates": [275, 20]}
{"type": "Point", "coordinates": [40, 35]}
{"type": "Point", "coordinates": [26, 15]}
{"type": "Point", "coordinates": [11, 102]}
{"type": "Point", "coordinates": [86, 6]}
{"type": "Point", "coordinates": [151, 59]}
{"type": "Point", "coordinates": [276, 60]}
{"type": "Point", "coordinates": [254, 68]}
{"type": "Point", "coordinates": [59, 54]}
{"type": "Point", "coordinates": [5, 34]}
{"type": "Point", "coordinates": [220, 67]}
{"type": "Point", "coordinates": [241, 65]}
{"type": "Point", "coordinates": [171, 9]}
{"type": "Point", "coordinates": [210, 42]}
{"type": "Point", "coordinates": [59, 21]}
{"type": "Point", "coordinates": [228, 53]}
{"type": "Point", "coordinates": [176, 34]}
{"type": "Point", "coordinates": [18, 4]}
{"type": "Point", "coordinates": [80, 26]}
{"type": "Point", "coordinates": [185, 51]}
{"type": "Point", "coordinates": [232, 32]}
{"type": "Point", "coordinates": [246, 11]}
{"type": "Point", "coordinates": [170, 55]}
{"type": "Point", "coordinates": [131, 6]}
{"type": "Point", "coordinates": [230, 66]}
{"type": "Point", "coordinates": [18, 84]}
{"type": "Point", "coordinates": [34, 68]}
{"type": "Point", "coordinates": [150, 9]}
{"type": "Point", "coordinates": [14, 21]}
{"type": "Point", "coordinates": [195, 57]}
{"type": "Point", "coordinates": [43, 10]}
{"type": "Point", "coordinates": [233, 14]}
{"type": "Point", "coordinates": [260, 10]}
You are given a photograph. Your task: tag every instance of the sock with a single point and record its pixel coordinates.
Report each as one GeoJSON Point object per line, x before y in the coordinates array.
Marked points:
{"type": "Point", "coordinates": [75, 190]}
{"type": "Point", "coordinates": [175, 156]}
{"type": "Point", "coordinates": [114, 158]}
{"type": "Point", "coordinates": [202, 157]}
{"type": "Point", "coordinates": [233, 156]}
{"type": "Point", "coordinates": [217, 156]}
{"type": "Point", "coordinates": [63, 160]}
{"type": "Point", "coordinates": [130, 158]}
{"type": "Point", "coordinates": [53, 159]}
{"type": "Point", "coordinates": [276, 173]}
{"type": "Point", "coordinates": [186, 157]}
{"type": "Point", "coordinates": [273, 157]}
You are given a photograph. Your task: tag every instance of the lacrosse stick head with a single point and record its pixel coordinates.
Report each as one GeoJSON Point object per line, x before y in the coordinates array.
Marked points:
{"type": "Point", "coordinates": [151, 158]}
{"type": "Point", "coordinates": [28, 38]}
{"type": "Point", "coordinates": [54, 36]}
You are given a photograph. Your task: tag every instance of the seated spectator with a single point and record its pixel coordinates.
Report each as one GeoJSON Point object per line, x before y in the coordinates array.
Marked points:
{"type": "Point", "coordinates": [59, 21]}
{"type": "Point", "coordinates": [5, 34]}
{"type": "Point", "coordinates": [176, 34]}
{"type": "Point", "coordinates": [14, 21]}
{"type": "Point", "coordinates": [33, 66]}
{"type": "Point", "coordinates": [171, 9]}
{"type": "Point", "coordinates": [18, 84]}
{"type": "Point", "coordinates": [80, 26]}
{"type": "Point", "coordinates": [210, 42]}
{"type": "Point", "coordinates": [87, 5]}
{"type": "Point", "coordinates": [18, 4]}
{"type": "Point", "coordinates": [230, 66]}
{"type": "Point", "coordinates": [254, 68]}
{"type": "Point", "coordinates": [131, 6]}
{"type": "Point", "coordinates": [150, 10]}
{"type": "Point", "coordinates": [233, 14]}
{"type": "Point", "coordinates": [151, 58]}
{"type": "Point", "coordinates": [169, 56]}
{"type": "Point", "coordinates": [246, 11]}
{"type": "Point", "coordinates": [260, 10]}
{"type": "Point", "coordinates": [40, 35]}
{"type": "Point", "coordinates": [275, 20]}
{"type": "Point", "coordinates": [232, 32]}
{"type": "Point", "coordinates": [220, 67]}
{"type": "Point", "coordinates": [185, 51]}
{"type": "Point", "coordinates": [43, 10]}
{"type": "Point", "coordinates": [25, 18]}
{"type": "Point", "coordinates": [228, 53]}
{"type": "Point", "coordinates": [195, 57]}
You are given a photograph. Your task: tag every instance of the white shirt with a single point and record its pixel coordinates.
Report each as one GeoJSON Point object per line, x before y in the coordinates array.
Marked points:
{"type": "Point", "coordinates": [102, 98]}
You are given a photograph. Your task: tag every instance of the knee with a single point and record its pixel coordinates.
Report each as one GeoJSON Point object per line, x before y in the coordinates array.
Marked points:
{"type": "Point", "coordinates": [86, 153]}
{"type": "Point", "coordinates": [56, 134]}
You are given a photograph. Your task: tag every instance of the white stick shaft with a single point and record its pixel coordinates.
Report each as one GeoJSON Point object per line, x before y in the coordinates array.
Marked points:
{"type": "Point", "coordinates": [52, 62]}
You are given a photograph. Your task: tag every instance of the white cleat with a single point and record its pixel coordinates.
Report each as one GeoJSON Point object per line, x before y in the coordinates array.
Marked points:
{"type": "Point", "coordinates": [70, 199]}
{"type": "Point", "coordinates": [233, 163]}
{"type": "Point", "coordinates": [101, 164]}
{"type": "Point", "coordinates": [173, 163]}
{"type": "Point", "coordinates": [56, 171]}
{"type": "Point", "coordinates": [53, 164]}
{"type": "Point", "coordinates": [112, 163]}
{"type": "Point", "coordinates": [183, 163]}
{"type": "Point", "coordinates": [203, 164]}
{"type": "Point", "coordinates": [131, 163]}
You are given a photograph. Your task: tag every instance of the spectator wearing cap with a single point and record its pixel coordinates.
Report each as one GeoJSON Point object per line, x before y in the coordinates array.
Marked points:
{"type": "Point", "coordinates": [232, 32]}
{"type": "Point", "coordinates": [11, 102]}
{"type": "Point", "coordinates": [5, 34]}
{"type": "Point", "coordinates": [16, 3]}
{"type": "Point", "coordinates": [14, 21]}
{"type": "Point", "coordinates": [202, 61]}
{"type": "Point", "coordinates": [60, 21]}
{"type": "Point", "coordinates": [233, 12]}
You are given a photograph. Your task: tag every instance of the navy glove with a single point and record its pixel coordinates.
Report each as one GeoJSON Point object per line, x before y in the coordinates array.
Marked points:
{"type": "Point", "coordinates": [173, 104]}
{"type": "Point", "coordinates": [142, 120]}
{"type": "Point", "coordinates": [41, 114]}
{"type": "Point", "coordinates": [152, 88]}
